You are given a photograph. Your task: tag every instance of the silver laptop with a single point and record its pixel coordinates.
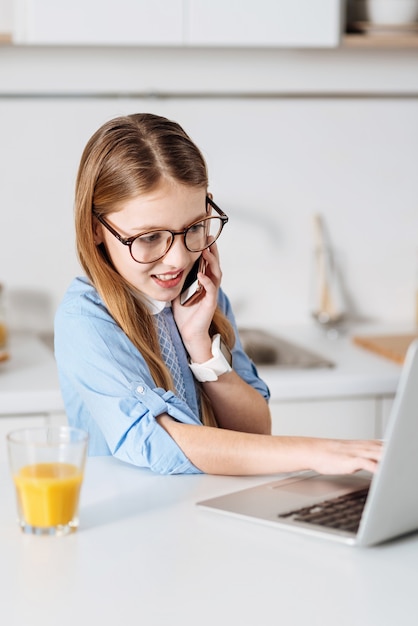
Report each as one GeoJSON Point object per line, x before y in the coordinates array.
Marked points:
{"type": "Point", "coordinates": [358, 509]}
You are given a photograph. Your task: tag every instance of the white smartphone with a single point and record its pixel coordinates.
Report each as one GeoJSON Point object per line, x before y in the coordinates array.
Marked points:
{"type": "Point", "coordinates": [192, 290]}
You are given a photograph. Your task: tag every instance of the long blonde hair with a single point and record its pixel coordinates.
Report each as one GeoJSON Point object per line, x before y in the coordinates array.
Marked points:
{"type": "Point", "coordinates": [128, 156]}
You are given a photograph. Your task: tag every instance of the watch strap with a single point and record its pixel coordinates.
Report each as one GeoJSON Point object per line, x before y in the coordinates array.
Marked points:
{"type": "Point", "coordinates": [216, 366]}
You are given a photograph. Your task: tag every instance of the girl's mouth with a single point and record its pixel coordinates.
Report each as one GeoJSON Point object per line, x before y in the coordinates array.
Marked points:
{"type": "Point", "coordinates": [168, 281]}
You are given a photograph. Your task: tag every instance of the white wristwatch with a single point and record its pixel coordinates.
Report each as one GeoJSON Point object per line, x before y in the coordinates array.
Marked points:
{"type": "Point", "coordinates": [219, 364]}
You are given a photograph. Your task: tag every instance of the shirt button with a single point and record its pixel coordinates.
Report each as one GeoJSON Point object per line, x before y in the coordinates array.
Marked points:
{"type": "Point", "coordinates": [140, 389]}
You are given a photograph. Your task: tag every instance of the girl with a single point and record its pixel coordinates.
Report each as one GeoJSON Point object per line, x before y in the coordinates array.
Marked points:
{"type": "Point", "coordinates": [156, 383]}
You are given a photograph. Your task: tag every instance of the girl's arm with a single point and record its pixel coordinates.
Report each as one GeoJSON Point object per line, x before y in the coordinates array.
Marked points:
{"type": "Point", "coordinates": [237, 405]}
{"type": "Point", "coordinates": [227, 452]}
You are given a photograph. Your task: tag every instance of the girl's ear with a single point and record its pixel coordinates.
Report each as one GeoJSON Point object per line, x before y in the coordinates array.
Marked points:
{"type": "Point", "coordinates": [210, 196]}
{"type": "Point", "coordinates": [97, 232]}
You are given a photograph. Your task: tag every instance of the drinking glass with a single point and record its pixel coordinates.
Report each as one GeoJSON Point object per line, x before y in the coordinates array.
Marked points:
{"type": "Point", "coordinates": [47, 465]}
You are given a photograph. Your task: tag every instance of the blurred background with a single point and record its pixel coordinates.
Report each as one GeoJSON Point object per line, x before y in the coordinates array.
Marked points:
{"type": "Point", "coordinates": [301, 107]}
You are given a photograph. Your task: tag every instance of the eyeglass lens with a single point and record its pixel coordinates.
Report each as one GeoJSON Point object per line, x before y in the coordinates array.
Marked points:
{"type": "Point", "coordinates": [152, 246]}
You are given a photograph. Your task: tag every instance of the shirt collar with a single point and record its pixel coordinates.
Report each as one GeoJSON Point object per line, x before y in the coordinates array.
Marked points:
{"type": "Point", "coordinates": [156, 306]}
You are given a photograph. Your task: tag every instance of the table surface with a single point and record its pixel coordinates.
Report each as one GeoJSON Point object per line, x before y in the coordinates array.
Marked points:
{"type": "Point", "coordinates": [145, 554]}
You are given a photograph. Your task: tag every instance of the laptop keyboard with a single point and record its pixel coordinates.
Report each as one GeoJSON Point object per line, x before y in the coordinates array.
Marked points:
{"type": "Point", "coordinates": [342, 513]}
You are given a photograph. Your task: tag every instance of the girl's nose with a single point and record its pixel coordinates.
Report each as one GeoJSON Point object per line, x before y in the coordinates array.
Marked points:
{"type": "Point", "coordinates": [178, 255]}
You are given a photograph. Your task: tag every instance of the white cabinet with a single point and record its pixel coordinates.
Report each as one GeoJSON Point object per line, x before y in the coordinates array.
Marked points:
{"type": "Point", "coordinates": [264, 23]}
{"type": "Point", "coordinates": [29, 388]}
{"type": "Point", "coordinates": [99, 22]}
{"type": "Point", "coordinates": [348, 418]}
{"type": "Point", "coordinates": [386, 405]}
{"type": "Point", "coordinates": [239, 23]}
{"type": "Point", "coordinates": [13, 422]}
{"type": "Point", "coordinates": [6, 16]}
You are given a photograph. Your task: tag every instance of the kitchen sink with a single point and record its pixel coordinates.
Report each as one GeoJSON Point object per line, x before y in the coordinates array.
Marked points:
{"type": "Point", "coordinates": [265, 348]}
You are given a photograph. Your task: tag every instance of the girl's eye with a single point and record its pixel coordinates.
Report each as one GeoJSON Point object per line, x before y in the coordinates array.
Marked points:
{"type": "Point", "coordinates": [152, 238]}
{"type": "Point", "coordinates": [196, 228]}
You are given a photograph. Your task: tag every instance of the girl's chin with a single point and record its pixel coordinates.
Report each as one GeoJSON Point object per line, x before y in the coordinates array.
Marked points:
{"type": "Point", "coordinates": [165, 295]}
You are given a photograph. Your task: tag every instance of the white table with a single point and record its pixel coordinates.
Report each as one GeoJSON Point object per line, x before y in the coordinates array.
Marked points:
{"type": "Point", "coordinates": [146, 555]}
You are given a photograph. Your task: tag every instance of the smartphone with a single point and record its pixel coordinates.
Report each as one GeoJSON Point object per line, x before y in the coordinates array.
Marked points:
{"type": "Point", "coordinates": [192, 290]}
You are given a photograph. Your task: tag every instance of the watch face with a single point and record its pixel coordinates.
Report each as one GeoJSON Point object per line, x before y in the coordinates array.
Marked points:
{"type": "Point", "coordinates": [226, 352]}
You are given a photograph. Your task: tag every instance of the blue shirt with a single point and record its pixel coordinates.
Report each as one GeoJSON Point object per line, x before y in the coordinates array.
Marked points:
{"type": "Point", "coordinates": [108, 390]}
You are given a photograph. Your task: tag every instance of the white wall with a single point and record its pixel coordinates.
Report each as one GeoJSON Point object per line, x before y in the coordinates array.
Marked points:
{"type": "Point", "coordinates": [275, 158]}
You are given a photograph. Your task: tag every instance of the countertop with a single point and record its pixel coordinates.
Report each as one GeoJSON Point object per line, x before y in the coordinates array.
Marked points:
{"type": "Point", "coordinates": [29, 380]}
{"type": "Point", "coordinates": [357, 372]}
{"type": "Point", "coordinates": [145, 554]}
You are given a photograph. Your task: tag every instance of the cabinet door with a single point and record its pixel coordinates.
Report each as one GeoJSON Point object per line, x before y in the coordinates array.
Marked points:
{"type": "Point", "coordinates": [9, 423]}
{"type": "Point", "coordinates": [386, 405]}
{"type": "Point", "coordinates": [291, 23]}
{"type": "Point", "coordinates": [343, 419]}
{"type": "Point", "coordinates": [6, 16]}
{"type": "Point", "coordinates": [99, 22]}
{"type": "Point", "coordinates": [295, 23]}
{"type": "Point", "coordinates": [12, 422]}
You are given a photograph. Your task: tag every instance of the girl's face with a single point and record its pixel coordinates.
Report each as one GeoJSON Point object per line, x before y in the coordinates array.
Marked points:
{"type": "Point", "coordinates": [171, 206]}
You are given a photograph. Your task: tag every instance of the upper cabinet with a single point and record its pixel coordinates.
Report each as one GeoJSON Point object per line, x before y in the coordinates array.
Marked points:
{"type": "Point", "coordinates": [6, 20]}
{"type": "Point", "coordinates": [220, 23]}
{"type": "Point", "coordinates": [264, 23]}
{"type": "Point", "coordinates": [98, 22]}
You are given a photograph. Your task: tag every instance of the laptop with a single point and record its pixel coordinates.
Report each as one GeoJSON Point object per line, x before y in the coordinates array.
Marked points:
{"type": "Point", "coordinates": [379, 507]}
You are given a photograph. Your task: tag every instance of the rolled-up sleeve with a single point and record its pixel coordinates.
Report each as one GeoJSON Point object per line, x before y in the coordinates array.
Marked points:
{"type": "Point", "coordinates": [108, 390]}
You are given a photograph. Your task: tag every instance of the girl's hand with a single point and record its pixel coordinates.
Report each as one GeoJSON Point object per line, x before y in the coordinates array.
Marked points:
{"type": "Point", "coordinates": [194, 321]}
{"type": "Point", "coordinates": [336, 456]}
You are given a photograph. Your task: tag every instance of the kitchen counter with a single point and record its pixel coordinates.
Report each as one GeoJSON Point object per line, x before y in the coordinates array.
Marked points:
{"type": "Point", "coordinates": [145, 554]}
{"type": "Point", "coordinates": [29, 380]}
{"type": "Point", "coordinates": [357, 372]}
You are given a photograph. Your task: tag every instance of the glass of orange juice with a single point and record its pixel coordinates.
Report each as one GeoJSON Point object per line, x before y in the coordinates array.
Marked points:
{"type": "Point", "coordinates": [47, 465]}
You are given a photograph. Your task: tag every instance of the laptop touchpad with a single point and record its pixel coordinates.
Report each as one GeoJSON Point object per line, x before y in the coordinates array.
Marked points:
{"type": "Point", "coordinates": [321, 485]}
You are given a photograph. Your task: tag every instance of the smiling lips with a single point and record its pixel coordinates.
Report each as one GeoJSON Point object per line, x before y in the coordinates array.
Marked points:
{"type": "Point", "coordinates": [168, 281]}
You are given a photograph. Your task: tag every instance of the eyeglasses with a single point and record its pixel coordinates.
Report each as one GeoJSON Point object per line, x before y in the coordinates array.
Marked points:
{"type": "Point", "coordinates": [154, 244]}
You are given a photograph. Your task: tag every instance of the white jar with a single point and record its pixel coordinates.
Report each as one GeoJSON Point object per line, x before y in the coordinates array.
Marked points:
{"type": "Point", "coordinates": [392, 12]}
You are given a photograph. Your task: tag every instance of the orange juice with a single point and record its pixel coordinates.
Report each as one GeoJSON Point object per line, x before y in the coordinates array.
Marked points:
{"type": "Point", "coordinates": [48, 493]}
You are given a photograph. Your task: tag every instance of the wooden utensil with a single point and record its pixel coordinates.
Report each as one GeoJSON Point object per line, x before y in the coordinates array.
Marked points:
{"type": "Point", "coordinates": [327, 309]}
{"type": "Point", "coordinates": [393, 347]}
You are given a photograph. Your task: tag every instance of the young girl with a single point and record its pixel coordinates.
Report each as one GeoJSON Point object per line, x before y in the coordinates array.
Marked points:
{"type": "Point", "coordinates": [154, 382]}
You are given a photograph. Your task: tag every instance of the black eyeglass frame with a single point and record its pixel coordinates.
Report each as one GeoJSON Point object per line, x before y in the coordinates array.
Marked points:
{"type": "Point", "coordinates": [128, 241]}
